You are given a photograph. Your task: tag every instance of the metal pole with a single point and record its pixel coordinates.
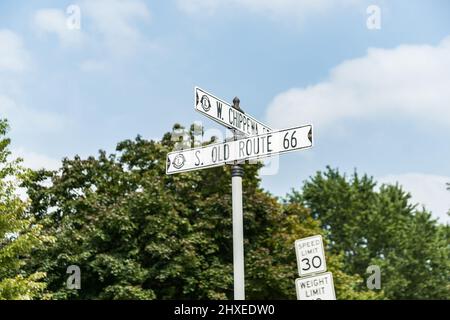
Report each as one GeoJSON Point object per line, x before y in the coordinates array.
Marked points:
{"type": "Point", "coordinates": [237, 172]}
{"type": "Point", "coordinates": [238, 233]}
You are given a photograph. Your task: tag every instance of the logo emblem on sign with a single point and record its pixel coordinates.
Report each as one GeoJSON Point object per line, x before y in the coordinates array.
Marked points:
{"type": "Point", "coordinates": [206, 105]}
{"type": "Point", "coordinates": [178, 161]}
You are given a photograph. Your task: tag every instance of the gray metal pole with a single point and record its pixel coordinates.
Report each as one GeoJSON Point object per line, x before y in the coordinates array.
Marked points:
{"type": "Point", "coordinates": [238, 233]}
{"type": "Point", "coordinates": [237, 172]}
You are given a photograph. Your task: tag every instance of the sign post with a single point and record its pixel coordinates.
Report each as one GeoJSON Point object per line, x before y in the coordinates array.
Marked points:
{"type": "Point", "coordinates": [237, 172]}
{"type": "Point", "coordinates": [252, 140]}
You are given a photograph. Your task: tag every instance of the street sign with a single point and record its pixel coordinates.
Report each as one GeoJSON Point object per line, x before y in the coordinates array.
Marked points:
{"type": "Point", "coordinates": [319, 287]}
{"type": "Point", "coordinates": [310, 255]}
{"type": "Point", "coordinates": [223, 113]}
{"type": "Point", "coordinates": [252, 140]}
{"type": "Point", "coordinates": [254, 147]}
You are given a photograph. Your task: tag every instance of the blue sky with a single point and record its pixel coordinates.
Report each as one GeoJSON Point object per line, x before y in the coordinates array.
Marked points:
{"type": "Point", "coordinates": [379, 99]}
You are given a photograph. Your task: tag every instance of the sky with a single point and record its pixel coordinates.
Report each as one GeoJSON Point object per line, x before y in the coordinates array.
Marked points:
{"type": "Point", "coordinates": [373, 77]}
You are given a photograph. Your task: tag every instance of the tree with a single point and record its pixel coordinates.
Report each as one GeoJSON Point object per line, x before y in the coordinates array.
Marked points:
{"type": "Point", "coordinates": [137, 233]}
{"type": "Point", "coordinates": [19, 234]}
{"type": "Point", "coordinates": [380, 227]}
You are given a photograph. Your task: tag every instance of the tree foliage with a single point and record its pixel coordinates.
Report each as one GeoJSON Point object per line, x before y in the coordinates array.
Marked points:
{"type": "Point", "coordinates": [19, 234]}
{"type": "Point", "coordinates": [373, 226]}
{"type": "Point", "coordinates": [137, 233]}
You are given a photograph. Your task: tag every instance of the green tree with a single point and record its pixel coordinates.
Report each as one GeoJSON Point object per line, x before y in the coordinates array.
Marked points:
{"type": "Point", "coordinates": [373, 226]}
{"type": "Point", "coordinates": [137, 233]}
{"type": "Point", "coordinates": [19, 234]}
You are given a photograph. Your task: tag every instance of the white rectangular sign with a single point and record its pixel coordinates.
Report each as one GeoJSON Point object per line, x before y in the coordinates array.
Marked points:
{"type": "Point", "coordinates": [254, 147]}
{"type": "Point", "coordinates": [320, 287]}
{"type": "Point", "coordinates": [310, 255]}
{"type": "Point", "coordinates": [223, 113]}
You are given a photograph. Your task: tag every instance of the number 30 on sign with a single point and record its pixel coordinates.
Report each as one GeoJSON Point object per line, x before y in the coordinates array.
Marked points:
{"type": "Point", "coordinates": [310, 255]}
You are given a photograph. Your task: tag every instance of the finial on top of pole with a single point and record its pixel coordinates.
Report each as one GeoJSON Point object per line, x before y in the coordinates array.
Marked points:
{"type": "Point", "coordinates": [236, 103]}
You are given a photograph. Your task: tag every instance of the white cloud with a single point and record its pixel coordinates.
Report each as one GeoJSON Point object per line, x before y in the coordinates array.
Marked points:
{"type": "Point", "coordinates": [196, 6]}
{"type": "Point", "coordinates": [116, 22]}
{"type": "Point", "coordinates": [35, 160]}
{"type": "Point", "coordinates": [408, 81]}
{"type": "Point", "coordinates": [14, 61]}
{"type": "Point", "coordinates": [274, 9]}
{"type": "Point", "coordinates": [427, 190]}
{"type": "Point", "coordinates": [28, 120]}
{"type": "Point", "coordinates": [107, 27]}
{"type": "Point", "coordinates": [55, 21]}
{"type": "Point", "coordinates": [92, 65]}
{"type": "Point", "coordinates": [13, 56]}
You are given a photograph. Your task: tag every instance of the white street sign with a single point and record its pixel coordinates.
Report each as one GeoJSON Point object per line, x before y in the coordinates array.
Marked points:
{"type": "Point", "coordinates": [319, 287]}
{"type": "Point", "coordinates": [222, 112]}
{"type": "Point", "coordinates": [310, 255]}
{"type": "Point", "coordinates": [254, 147]}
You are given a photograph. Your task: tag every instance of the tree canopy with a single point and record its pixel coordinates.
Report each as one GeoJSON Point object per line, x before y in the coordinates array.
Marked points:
{"type": "Point", "coordinates": [19, 234]}
{"type": "Point", "coordinates": [379, 226]}
{"type": "Point", "coordinates": [137, 233]}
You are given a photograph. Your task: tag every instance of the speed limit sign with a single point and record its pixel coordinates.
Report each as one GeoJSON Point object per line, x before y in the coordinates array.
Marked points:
{"type": "Point", "coordinates": [310, 255]}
